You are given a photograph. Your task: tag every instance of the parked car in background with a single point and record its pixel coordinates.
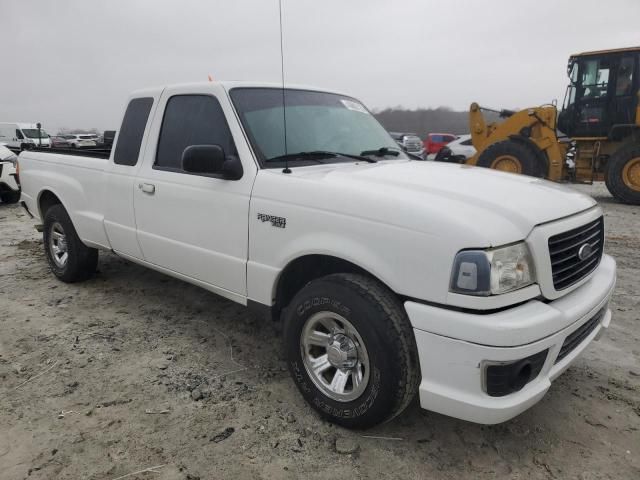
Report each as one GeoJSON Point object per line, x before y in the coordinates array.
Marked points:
{"type": "Point", "coordinates": [9, 187]}
{"type": "Point", "coordinates": [81, 140]}
{"type": "Point", "coordinates": [95, 137]}
{"type": "Point", "coordinates": [435, 141]}
{"type": "Point", "coordinates": [23, 136]}
{"type": "Point", "coordinates": [59, 141]}
{"type": "Point", "coordinates": [462, 146]}
{"type": "Point", "coordinates": [410, 142]}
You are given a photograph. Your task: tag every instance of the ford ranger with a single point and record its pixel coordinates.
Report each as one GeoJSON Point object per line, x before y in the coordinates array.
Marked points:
{"type": "Point", "coordinates": [471, 288]}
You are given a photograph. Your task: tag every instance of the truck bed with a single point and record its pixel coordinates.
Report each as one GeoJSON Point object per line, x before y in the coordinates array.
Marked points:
{"type": "Point", "coordinates": [77, 178]}
{"type": "Point", "coordinates": [103, 153]}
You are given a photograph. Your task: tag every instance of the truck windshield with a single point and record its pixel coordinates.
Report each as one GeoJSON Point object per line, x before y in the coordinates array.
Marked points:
{"type": "Point", "coordinates": [33, 133]}
{"type": "Point", "coordinates": [316, 121]}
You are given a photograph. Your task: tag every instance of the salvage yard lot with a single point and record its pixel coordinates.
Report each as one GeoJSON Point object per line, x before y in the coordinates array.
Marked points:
{"type": "Point", "coordinates": [133, 370]}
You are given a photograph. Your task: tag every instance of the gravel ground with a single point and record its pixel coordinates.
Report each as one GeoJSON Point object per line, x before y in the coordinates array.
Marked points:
{"type": "Point", "coordinates": [133, 370]}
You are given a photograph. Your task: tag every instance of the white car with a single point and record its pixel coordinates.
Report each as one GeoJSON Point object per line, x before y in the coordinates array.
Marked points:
{"type": "Point", "coordinates": [471, 288]}
{"type": "Point", "coordinates": [462, 146]}
{"type": "Point", "coordinates": [9, 188]}
{"type": "Point", "coordinates": [81, 140]}
{"type": "Point", "coordinates": [410, 142]}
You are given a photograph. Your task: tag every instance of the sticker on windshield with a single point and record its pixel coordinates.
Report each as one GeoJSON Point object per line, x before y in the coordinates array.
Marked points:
{"type": "Point", "coordinates": [355, 106]}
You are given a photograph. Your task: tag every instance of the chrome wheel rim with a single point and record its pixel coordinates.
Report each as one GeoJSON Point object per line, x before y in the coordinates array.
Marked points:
{"type": "Point", "coordinates": [334, 356]}
{"type": "Point", "coordinates": [58, 245]}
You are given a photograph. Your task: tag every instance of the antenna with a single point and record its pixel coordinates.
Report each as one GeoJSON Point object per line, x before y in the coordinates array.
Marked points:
{"type": "Point", "coordinates": [284, 108]}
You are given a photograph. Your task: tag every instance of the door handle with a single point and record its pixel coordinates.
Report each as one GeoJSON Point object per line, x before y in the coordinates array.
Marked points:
{"type": "Point", "coordinates": [149, 188]}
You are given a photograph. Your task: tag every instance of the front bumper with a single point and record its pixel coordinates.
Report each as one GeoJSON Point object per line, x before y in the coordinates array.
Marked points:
{"type": "Point", "coordinates": [8, 177]}
{"type": "Point", "coordinates": [454, 347]}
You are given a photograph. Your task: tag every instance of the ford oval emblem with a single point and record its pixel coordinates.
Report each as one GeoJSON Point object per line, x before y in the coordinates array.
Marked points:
{"type": "Point", "coordinates": [585, 251]}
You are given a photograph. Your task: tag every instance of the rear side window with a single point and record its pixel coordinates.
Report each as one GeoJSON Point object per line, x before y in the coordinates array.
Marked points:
{"type": "Point", "coordinates": [191, 120]}
{"type": "Point", "coordinates": [467, 143]}
{"type": "Point", "coordinates": [436, 138]}
{"type": "Point", "coordinates": [133, 125]}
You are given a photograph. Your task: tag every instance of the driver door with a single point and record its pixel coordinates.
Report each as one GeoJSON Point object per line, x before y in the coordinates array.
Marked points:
{"type": "Point", "coordinates": [626, 87]}
{"type": "Point", "coordinates": [194, 225]}
{"type": "Point", "coordinates": [592, 112]}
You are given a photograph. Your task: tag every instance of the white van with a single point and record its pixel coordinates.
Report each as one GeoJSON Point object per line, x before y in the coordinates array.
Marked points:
{"type": "Point", "coordinates": [23, 135]}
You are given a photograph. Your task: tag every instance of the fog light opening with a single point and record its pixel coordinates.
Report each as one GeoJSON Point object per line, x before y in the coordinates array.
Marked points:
{"type": "Point", "coordinates": [521, 377]}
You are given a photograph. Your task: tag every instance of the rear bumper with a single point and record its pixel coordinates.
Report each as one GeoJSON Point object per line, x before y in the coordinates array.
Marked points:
{"type": "Point", "coordinates": [454, 353]}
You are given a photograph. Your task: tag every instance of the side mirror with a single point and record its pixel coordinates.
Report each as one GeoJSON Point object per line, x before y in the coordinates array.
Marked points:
{"type": "Point", "coordinates": [211, 160]}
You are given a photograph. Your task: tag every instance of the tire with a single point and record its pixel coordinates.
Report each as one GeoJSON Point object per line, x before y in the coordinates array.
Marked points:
{"type": "Point", "coordinates": [10, 197]}
{"type": "Point", "coordinates": [513, 157]}
{"type": "Point", "coordinates": [622, 175]}
{"type": "Point", "coordinates": [379, 335]}
{"type": "Point", "coordinates": [60, 238]}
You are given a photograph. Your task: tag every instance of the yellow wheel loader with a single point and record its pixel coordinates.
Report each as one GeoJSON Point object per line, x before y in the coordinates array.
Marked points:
{"type": "Point", "coordinates": [600, 118]}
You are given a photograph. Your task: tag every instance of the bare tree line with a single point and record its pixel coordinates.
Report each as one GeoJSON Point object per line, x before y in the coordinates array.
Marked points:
{"type": "Point", "coordinates": [67, 130]}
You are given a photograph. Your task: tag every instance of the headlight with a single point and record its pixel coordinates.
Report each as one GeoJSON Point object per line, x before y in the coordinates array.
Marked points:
{"type": "Point", "coordinates": [493, 271]}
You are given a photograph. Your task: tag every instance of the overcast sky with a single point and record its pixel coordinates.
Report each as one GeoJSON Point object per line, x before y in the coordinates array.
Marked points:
{"type": "Point", "coordinates": [72, 63]}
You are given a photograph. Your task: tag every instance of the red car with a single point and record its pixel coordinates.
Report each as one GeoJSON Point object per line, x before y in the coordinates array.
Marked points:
{"type": "Point", "coordinates": [435, 141]}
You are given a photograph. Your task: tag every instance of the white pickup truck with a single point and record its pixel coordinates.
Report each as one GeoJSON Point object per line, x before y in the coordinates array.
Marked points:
{"type": "Point", "coordinates": [470, 287]}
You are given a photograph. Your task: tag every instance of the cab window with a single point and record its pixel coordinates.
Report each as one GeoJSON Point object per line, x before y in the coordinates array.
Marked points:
{"type": "Point", "coordinates": [624, 80]}
{"type": "Point", "coordinates": [595, 78]}
{"type": "Point", "coordinates": [132, 131]}
{"type": "Point", "coordinates": [191, 120]}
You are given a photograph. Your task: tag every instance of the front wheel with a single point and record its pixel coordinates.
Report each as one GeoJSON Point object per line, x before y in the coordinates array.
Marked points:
{"type": "Point", "coordinates": [623, 175]}
{"type": "Point", "coordinates": [70, 259]}
{"type": "Point", "coordinates": [513, 157]}
{"type": "Point", "coordinates": [351, 350]}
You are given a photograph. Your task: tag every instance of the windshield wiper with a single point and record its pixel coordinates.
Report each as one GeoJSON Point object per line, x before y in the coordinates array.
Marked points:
{"type": "Point", "coordinates": [381, 152]}
{"type": "Point", "coordinates": [317, 155]}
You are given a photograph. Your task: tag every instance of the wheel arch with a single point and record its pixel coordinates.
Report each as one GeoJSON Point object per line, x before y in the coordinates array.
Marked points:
{"type": "Point", "coordinates": [306, 268]}
{"type": "Point", "coordinates": [535, 149]}
{"type": "Point", "coordinates": [47, 198]}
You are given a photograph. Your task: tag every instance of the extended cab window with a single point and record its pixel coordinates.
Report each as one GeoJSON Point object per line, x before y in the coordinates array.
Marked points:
{"type": "Point", "coordinates": [191, 120]}
{"type": "Point", "coordinates": [133, 125]}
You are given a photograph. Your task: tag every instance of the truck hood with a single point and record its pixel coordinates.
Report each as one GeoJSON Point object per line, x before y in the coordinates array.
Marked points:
{"type": "Point", "coordinates": [487, 207]}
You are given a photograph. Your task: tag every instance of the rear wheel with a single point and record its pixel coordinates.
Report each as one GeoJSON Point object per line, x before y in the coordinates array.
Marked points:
{"type": "Point", "coordinates": [623, 175]}
{"type": "Point", "coordinates": [70, 259]}
{"type": "Point", "coordinates": [10, 197]}
{"type": "Point", "coordinates": [513, 157]}
{"type": "Point", "coordinates": [351, 350]}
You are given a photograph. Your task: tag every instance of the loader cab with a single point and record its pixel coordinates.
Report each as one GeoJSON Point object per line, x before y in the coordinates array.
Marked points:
{"type": "Point", "coordinates": [602, 96]}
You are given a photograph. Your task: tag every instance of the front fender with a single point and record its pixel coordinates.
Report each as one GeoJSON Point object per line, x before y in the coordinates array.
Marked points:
{"type": "Point", "coordinates": [410, 263]}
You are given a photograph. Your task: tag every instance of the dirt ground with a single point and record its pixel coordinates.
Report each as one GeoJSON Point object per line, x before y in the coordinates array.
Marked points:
{"type": "Point", "coordinates": [133, 370]}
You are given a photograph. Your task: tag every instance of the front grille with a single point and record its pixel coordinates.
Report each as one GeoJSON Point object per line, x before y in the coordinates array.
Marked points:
{"type": "Point", "coordinates": [566, 266]}
{"type": "Point", "coordinates": [577, 337]}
